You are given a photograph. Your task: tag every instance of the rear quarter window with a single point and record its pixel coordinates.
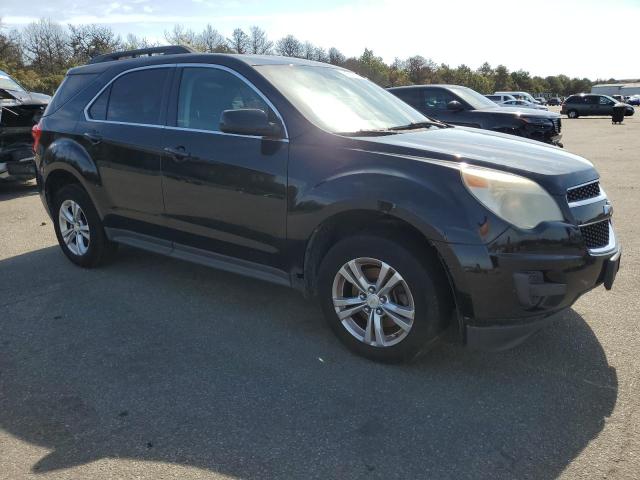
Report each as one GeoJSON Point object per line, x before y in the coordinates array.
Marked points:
{"type": "Point", "coordinates": [69, 88]}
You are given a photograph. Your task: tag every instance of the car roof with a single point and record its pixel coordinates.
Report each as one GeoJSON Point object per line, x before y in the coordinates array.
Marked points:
{"type": "Point", "coordinates": [181, 58]}
{"type": "Point", "coordinates": [439, 85]}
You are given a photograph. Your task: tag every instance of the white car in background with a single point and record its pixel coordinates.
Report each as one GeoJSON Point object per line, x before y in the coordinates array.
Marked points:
{"type": "Point", "coordinates": [520, 96]}
{"type": "Point", "coordinates": [500, 99]}
{"type": "Point", "coordinates": [523, 103]}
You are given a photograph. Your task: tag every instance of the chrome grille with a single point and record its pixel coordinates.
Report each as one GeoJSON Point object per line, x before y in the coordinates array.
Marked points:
{"type": "Point", "coordinates": [596, 235]}
{"type": "Point", "coordinates": [557, 124]}
{"type": "Point", "coordinates": [583, 192]}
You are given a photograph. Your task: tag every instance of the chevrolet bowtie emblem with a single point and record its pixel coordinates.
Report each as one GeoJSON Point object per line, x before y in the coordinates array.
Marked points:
{"type": "Point", "coordinates": [608, 209]}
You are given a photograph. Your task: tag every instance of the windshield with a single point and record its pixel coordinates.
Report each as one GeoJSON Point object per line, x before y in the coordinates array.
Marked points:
{"type": "Point", "coordinates": [473, 98]}
{"type": "Point", "coordinates": [339, 100]}
{"type": "Point", "coordinates": [8, 83]}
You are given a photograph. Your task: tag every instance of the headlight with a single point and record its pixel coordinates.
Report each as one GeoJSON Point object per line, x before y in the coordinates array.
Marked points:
{"type": "Point", "coordinates": [537, 120]}
{"type": "Point", "coordinates": [518, 200]}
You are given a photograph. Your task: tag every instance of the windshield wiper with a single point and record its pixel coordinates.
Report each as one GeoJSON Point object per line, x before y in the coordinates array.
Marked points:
{"type": "Point", "coordinates": [416, 125]}
{"type": "Point", "coordinates": [369, 132]}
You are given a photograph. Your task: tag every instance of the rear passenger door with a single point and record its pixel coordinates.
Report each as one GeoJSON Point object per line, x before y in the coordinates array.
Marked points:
{"type": "Point", "coordinates": [225, 194]}
{"type": "Point", "coordinates": [123, 133]}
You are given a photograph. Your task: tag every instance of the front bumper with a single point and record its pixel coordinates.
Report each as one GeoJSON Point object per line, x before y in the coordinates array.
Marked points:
{"type": "Point", "coordinates": [509, 289]}
{"type": "Point", "coordinates": [503, 335]}
{"type": "Point", "coordinates": [544, 133]}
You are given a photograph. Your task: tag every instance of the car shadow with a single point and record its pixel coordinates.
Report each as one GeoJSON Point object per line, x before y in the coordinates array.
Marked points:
{"type": "Point", "coordinates": [159, 360]}
{"type": "Point", "coordinates": [10, 190]}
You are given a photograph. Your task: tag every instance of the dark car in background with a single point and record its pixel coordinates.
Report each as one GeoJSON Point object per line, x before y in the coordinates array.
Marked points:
{"type": "Point", "coordinates": [457, 105]}
{"type": "Point", "coordinates": [554, 101]}
{"type": "Point", "coordinates": [20, 110]}
{"type": "Point", "coordinates": [589, 104]}
{"type": "Point", "coordinates": [313, 177]}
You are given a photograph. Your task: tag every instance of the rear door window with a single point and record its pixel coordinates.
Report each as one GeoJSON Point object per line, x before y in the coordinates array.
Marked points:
{"type": "Point", "coordinates": [135, 97]}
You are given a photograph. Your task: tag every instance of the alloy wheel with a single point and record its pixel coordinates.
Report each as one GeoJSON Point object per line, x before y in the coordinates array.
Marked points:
{"type": "Point", "coordinates": [74, 227]}
{"type": "Point", "coordinates": [373, 302]}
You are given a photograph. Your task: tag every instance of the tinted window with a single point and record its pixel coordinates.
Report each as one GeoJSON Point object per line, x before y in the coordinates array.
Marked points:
{"type": "Point", "coordinates": [71, 85]}
{"type": "Point", "coordinates": [410, 95]}
{"type": "Point", "coordinates": [606, 101]}
{"type": "Point", "coordinates": [206, 92]}
{"type": "Point", "coordinates": [136, 97]}
{"type": "Point", "coordinates": [98, 110]}
{"type": "Point", "coordinates": [437, 98]}
{"type": "Point", "coordinates": [576, 99]}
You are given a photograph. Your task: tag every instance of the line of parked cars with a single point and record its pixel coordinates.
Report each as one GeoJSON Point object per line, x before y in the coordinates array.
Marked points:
{"type": "Point", "coordinates": [401, 225]}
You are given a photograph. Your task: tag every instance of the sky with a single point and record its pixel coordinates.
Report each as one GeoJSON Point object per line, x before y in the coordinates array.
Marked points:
{"type": "Point", "coordinates": [597, 39]}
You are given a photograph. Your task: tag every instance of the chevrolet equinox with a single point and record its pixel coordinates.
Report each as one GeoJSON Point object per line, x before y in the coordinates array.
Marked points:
{"type": "Point", "coordinates": [310, 176]}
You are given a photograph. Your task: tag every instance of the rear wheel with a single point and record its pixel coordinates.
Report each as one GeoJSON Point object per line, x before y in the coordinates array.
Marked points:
{"type": "Point", "coordinates": [383, 301]}
{"type": "Point", "coordinates": [78, 228]}
{"type": "Point", "coordinates": [572, 114]}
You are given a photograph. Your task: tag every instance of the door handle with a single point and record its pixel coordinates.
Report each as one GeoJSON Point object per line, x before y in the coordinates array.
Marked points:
{"type": "Point", "coordinates": [93, 137]}
{"type": "Point", "coordinates": [179, 153]}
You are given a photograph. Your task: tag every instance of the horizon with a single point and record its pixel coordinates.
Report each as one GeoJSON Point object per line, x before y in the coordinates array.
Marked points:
{"type": "Point", "coordinates": [355, 25]}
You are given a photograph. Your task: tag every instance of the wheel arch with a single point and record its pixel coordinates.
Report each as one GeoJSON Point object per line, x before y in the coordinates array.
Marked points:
{"type": "Point", "coordinates": [64, 162]}
{"type": "Point", "coordinates": [391, 225]}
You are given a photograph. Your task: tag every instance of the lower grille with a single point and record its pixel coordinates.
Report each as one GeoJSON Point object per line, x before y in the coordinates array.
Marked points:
{"type": "Point", "coordinates": [596, 235]}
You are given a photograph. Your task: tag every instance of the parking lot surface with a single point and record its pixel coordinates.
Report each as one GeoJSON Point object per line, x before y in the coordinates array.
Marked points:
{"type": "Point", "coordinates": [152, 368]}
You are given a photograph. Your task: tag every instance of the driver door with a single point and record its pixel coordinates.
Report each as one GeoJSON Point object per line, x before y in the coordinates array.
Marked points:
{"type": "Point", "coordinates": [224, 194]}
{"type": "Point", "coordinates": [434, 104]}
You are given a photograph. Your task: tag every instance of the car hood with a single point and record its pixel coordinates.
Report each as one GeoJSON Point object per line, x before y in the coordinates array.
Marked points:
{"type": "Point", "coordinates": [522, 111]}
{"type": "Point", "coordinates": [28, 98]}
{"type": "Point", "coordinates": [552, 167]}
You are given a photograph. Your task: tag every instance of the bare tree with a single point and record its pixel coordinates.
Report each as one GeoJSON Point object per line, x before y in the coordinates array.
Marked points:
{"type": "Point", "coordinates": [239, 42]}
{"type": "Point", "coordinates": [309, 51]}
{"type": "Point", "coordinates": [321, 55]}
{"type": "Point", "coordinates": [180, 35]}
{"type": "Point", "coordinates": [133, 42]}
{"type": "Point", "coordinates": [211, 41]}
{"type": "Point", "coordinates": [336, 57]}
{"type": "Point", "coordinates": [259, 44]}
{"type": "Point", "coordinates": [289, 46]}
{"type": "Point", "coordinates": [10, 48]}
{"type": "Point", "coordinates": [46, 46]}
{"type": "Point", "coordinates": [87, 41]}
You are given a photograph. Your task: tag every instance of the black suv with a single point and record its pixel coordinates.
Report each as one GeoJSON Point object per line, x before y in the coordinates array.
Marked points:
{"type": "Point", "coordinates": [310, 176]}
{"type": "Point", "coordinates": [582, 105]}
{"type": "Point", "coordinates": [463, 106]}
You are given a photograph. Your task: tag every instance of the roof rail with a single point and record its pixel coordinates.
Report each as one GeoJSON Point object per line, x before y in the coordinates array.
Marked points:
{"type": "Point", "coordinates": [142, 52]}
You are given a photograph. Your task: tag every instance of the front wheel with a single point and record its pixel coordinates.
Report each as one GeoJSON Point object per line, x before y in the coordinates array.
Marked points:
{"type": "Point", "coordinates": [78, 228]}
{"type": "Point", "coordinates": [381, 299]}
{"type": "Point", "coordinates": [572, 114]}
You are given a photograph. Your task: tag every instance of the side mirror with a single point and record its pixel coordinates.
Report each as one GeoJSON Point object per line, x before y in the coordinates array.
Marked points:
{"type": "Point", "coordinates": [249, 121]}
{"type": "Point", "coordinates": [454, 105]}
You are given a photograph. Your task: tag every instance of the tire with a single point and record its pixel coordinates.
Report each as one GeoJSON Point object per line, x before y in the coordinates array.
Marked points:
{"type": "Point", "coordinates": [427, 294]}
{"type": "Point", "coordinates": [88, 246]}
{"type": "Point", "coordinates": [572, 114]}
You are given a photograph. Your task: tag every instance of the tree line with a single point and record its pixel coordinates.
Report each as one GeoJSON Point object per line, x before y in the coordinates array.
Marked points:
{"type": "Point", "coordinates": [40, 53]}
